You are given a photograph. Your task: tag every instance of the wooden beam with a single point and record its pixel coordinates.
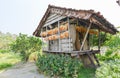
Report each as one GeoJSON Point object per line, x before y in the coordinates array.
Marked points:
{"type": "Point", "coordinates": [99, 38]}
{"type": "Point", "coordinates": [85, 36]}
{"type": "Point", "coordinates": [96, 59]}
{"type": "Point", "coordinates": [54, 20]}
{"type": "Point", "coordinates": [74, 52]}
{"type": "Point", "coordinates": [69, 31]}
{"type": "Point", "coordinates": [51, 16]}
{"type": "Point", "coordinates": [90, 58]}
{"type": "Point", "coordinates": [59, 34]}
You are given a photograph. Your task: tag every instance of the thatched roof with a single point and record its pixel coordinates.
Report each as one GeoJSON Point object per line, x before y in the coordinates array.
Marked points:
{"type": "Point", "coordinates": [96, 17]}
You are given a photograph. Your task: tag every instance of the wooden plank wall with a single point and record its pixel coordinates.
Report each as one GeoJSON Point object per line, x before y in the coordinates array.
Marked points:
{"type": "Point", "coordinates": [59, 44]}
{"type": "Point", "coordinates": [53, 18]}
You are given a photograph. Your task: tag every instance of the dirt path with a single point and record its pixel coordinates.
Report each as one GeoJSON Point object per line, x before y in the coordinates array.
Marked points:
{"type": "Point", "coordinates": [27, 70]}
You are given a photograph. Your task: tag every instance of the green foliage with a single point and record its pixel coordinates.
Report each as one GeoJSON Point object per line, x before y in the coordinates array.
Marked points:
{"type": "Point", "coordinates": [103, 38]}
{"type": "Point", "coordinates": [5, 65]}
{"type": "Point", "coordinates": [59, 65]}
{"type": "Point", "coordinates": [25, 45]}
{"type": "Point", "coordinates": [111, 59]}
{"type": "Point", "coordinates": [5, 40]}
{"type": "Point", "coordinates": [114, 41]}
{"type": "Point", "coordinates": [86, 73]}
{"type": "Point", "coordinates": [4, 51]}
{"type": "Point", "coordinates": [110, 69]}
{"type": "Point", "coordinates": [114, 48]}
{"type": "Point", "coordinates": [8, 59]}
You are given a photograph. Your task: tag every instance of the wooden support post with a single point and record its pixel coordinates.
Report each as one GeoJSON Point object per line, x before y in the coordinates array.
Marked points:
{"type": "Point", "coordinates": [85, 36]}
{"type": "Point", "coordinates": [59, 35]}
{"type": "Point", "coordinates": [88, 41]}
{"type": "Point", "coordinates": [90, 58]}
{"type": "Point", "coordinates": [47, 41]}
{"type": "Point", "coordinates": [96, 59]}
{"type": "Point", "coordinates": [99, 38]}
{"type": "Point", "coordinates": [42, 39]}
{"type": "Point", "coordinates": [69, 32]}
{"type": "Point", "coordinates": [87, 59]}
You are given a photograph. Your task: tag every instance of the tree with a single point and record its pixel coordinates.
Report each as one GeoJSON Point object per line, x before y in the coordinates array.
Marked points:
{"type": "Point", "coordinates": [25, 45]}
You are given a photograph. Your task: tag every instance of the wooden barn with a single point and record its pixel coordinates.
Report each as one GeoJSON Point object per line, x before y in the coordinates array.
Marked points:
{"type": "Point", "coordinates": [66, 30]}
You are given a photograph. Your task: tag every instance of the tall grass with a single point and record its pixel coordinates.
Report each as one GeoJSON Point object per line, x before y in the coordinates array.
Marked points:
{"type": "Point", "coordinates": [8, 59]}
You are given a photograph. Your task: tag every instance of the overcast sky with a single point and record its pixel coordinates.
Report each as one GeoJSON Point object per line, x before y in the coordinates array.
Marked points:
{"type": "Point", "coordinates": [23, 16]}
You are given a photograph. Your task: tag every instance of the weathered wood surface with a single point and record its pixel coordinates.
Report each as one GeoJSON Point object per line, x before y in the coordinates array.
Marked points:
{"type": "Point", "coordinates": [80, 52]}
{"type": "Point", "coordinates": [64, 45]}
{"type": "Point", "coordinates": [77, 42]}
{"type": "Point", "coordinates": [85, 37]}
{"type": "Point", "coordinates": [53, 20]}
{"type": "Point", "coordinates": [73, 35]}
{"type": "Point", "coordinates": [66, 40]}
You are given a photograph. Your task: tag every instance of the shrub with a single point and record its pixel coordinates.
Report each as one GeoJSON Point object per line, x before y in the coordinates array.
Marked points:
{"type": "Point", "coordinates": [59, 65]}
{"type": "Point", "coordinates": [103, 38]}
{"type": "Point", "coordinates": [25, 45]}
{"type": "Point", "coordinates": [114, 41]}
{"type": "Point", "coordinates": [114, 48]}
{"type": "Point", "coordinates": [109, 69]}
{"type": "Point", "coordinates": [111, 59]}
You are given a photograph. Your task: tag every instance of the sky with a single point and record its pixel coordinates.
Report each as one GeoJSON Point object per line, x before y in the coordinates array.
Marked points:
{"type": "Point", "coordinates": [23, 16]}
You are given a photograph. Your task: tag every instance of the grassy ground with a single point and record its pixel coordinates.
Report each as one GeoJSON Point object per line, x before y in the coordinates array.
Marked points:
{"type": "Point", "coordinates": [8, 59]}
{"type": "Point", "coordinates": [86, 73]}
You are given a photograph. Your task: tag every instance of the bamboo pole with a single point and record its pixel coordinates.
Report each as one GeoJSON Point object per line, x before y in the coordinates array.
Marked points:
{"type": "Point", "coordinates": [85, 36]}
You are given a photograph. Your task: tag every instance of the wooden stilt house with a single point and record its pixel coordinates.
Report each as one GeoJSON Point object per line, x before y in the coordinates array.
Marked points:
{"type": "Point", "coordinates": [68, 31]}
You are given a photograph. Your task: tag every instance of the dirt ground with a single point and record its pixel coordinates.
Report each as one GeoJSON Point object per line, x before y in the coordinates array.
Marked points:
{"type": "Point", "coordinates": [22, 70]}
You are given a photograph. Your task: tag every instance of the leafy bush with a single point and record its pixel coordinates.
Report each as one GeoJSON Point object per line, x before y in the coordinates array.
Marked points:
{"type": "Point", "coordinates": [59, 65]}
{"type": "Point", "coordinates": [111, 59]}
{"type": "Point", "coordinates": [63, 66]}
{"type": "Point", "coordinates": [25, 45]}
{"type": "Point", "coordinates": [114, 41]}
{"type": "Point", "coordinates": [110, 69]}
{"type": "Point", "coordinates": [103, 38]}
{"type": "Point", "coordinates": [114, 48]}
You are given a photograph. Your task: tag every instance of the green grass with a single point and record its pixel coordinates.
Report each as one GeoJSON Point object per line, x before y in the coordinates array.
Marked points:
{"type": "Point", "coordinates": [8, 59]}
{"type": "Point", "coordinates": [5, 65]}
{"type": "Point", "coordinates": [86, 72]}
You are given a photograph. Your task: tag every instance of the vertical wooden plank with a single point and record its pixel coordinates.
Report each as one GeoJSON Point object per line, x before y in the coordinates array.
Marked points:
{"type": "Point", "coordinates": [96, 59]}
{"type": "Point", "coordinates": [46, 41]}
{"type": "Point", "coordinates": [88, 41]}
{"type": "Point", "coordinates": [59, 35]}
{"type": "Point", "coordinates": [99, 36]}
{"type": "Point", "coordinates": [69, 31]}
{"type": "Point", "coordinates": [90, 58]}
{"type": "Point", "coordinates": [42, 38]}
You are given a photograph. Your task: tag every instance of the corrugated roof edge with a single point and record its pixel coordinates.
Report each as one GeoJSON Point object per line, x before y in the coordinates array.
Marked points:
{"type": "Point", "coordinates": [98, 14]}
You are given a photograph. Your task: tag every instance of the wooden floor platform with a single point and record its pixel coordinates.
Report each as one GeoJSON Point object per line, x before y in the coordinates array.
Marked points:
{"type": "Point", "coordinates": [75, 52]}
